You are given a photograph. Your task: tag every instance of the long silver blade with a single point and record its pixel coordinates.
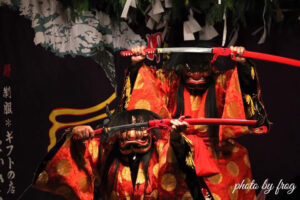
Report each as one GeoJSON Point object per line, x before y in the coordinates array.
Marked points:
{"type": "Point", "coordinates": [184, 50]}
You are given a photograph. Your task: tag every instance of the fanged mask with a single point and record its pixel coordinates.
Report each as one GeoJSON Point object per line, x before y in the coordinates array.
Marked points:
{"type": "Point", "coordinates": [135, 140]}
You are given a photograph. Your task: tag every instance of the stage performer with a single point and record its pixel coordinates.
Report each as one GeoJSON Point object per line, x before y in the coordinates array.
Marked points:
{"type": "Point", "coordinates": [129, 164]}
{"type": "Point", "coordinates": [191, 85]}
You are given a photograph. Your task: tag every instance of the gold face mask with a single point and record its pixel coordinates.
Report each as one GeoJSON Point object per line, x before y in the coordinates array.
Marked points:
{"type": "Point", "coordinates": [135, 140]}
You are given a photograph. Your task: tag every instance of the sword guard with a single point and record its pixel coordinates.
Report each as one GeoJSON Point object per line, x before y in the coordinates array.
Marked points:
{"type": "Point", "coordinates": [220, 51]}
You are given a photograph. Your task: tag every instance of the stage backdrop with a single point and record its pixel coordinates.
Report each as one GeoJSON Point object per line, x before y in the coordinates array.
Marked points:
{"type": "Point", "coordinates": [48, 83]}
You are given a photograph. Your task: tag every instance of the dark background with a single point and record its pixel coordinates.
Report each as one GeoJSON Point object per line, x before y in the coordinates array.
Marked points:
{"type": "Point", "coordinates": [43, 81]}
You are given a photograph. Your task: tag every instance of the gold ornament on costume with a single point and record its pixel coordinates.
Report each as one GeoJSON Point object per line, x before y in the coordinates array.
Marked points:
{"type": "Point", "coordinates": [42, 179]}
{"type": "Point", "coordinates": [83, 184]}
{"type": "Point", "coordinates": [201, 128]}
{"type": "Point", "coordinates": [160, 75]}
{"type": "Point", "coordinates": [154, 194]}
{"type": "Point", "coordinates": [195, 102]}
{"type": "Point", "coordinates": [232, 168]}
{"type": "Point", "coordinates": [232, 110]}
{"type": "Point", "coordinates": [63, 167]}
{"type": "Point", "coordinates": [216, 197]}
{"type": "Point", "coordinates": [160, 147]}
{"type": "Point", "coordinates": [235, 149]}
{"type": "Point", "coordinates": [215, 179]}
{"type": "Point", "coordinates": [168, 182]}
{"type": "Point", "coordinates": [246, 161]}
{"type": "Point", "coordinates": [127, 196]}
{"type": "Point", "coordinates": [139, 83]}
{"type": "Point", "coordinates": [187, 196]}
{"type": "Point", "coordinates": [126, 173]}
{"type": "Point", "coordinates": [155, 170]}
{"type": "Point", "coordinates": [221, 80]}
{"type": "Point", "coordinates": [140, 177]}
{"type": "Point", "coordinates": [120, 177]}
{"type": "Point", "coordinates": [93, 149]}
{"type": "Point", "coordinates": [142, 104]}
{"type": "Point", "coordinates": [232, 195]}
{"type": "Point", "coordinates": [162, 161]}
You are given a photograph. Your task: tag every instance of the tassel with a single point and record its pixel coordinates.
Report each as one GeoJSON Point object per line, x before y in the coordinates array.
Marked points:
{"type": "Point", "coordinates": [252, 73]}
{"type": "Point", "coordinates": [127, 91]}
{"type": "Point", "coordinates": [189, 160]}
{"type": "Point", "coordinates": [249, 101]}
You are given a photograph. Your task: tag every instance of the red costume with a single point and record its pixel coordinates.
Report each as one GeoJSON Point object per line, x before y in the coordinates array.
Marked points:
{"type": "Point", "coordinates": [157, 90]}
{"type": "Point", "coordinates": [74, 168]}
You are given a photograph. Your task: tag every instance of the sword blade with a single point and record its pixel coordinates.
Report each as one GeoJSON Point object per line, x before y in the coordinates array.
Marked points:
{"type": "Point", "coordinates": [184, 50]}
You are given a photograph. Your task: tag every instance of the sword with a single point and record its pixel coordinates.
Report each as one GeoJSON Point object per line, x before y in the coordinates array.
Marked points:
{"type": "Point", "coordinates": [163, 123]}
{"type": "Point", "coordinates": [219, 51]}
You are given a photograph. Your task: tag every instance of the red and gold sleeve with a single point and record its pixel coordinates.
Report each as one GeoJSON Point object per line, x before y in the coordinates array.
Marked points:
{"type": "Point", "coordinates": [234, 107]}
{"type": "Point", "coordinates": [153, 91]}
{"type": "Point", "coordinates": [70, 172]}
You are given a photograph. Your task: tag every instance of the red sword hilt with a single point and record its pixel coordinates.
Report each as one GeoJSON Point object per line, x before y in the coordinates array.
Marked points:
{"type": "Point", "coordinates": [147, 51]}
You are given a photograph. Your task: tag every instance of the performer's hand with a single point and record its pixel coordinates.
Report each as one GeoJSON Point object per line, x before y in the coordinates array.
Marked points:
{"type": "Point", "coordinates": [179, 126]}
{"type": "Point", "coordinates": [83, 132]}
{"type": "Point", "coordinates": [138, 54]}
{"type": "Point", "coordinates": [239, 51]}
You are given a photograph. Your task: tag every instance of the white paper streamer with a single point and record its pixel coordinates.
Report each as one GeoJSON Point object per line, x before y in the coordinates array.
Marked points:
{"type": "Point", "coordinates": [155, 17]}
{"type": "Point", "coordinates": [224, 28]}
{"type": "Point", "coordinates": [168, 3]}
{"type": "Point", "coordinates": [125, 9]}
{"type": "Point", "coordinates": [157, 7]}
{"type": "Point", "coordinates": [208, 32]}
{"type": "Point", "coordinates": [219, 2]}
{"type": "Point", "coordinates": [133, 3]}
{"type": "Point", "coordinates": [150, 23]}
{"type": "Point", "coordinates": [187, 33]}
{"type": "Point", "coordinates": [192, 23]}
{"type": "Point", "coordinates": [191, 26]}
